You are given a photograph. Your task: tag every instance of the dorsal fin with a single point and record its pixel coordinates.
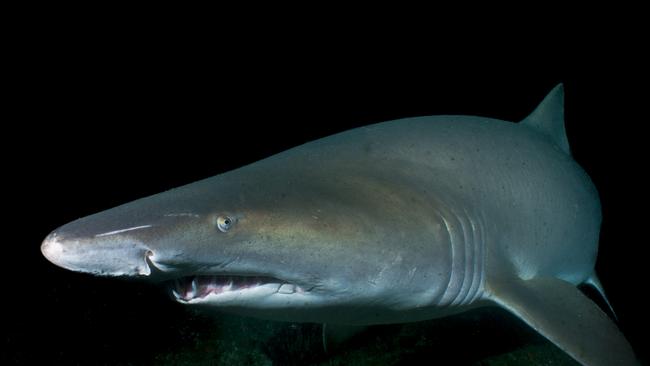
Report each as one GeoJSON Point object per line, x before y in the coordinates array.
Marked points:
{"type": "Point", "coordinates": [548, 118]}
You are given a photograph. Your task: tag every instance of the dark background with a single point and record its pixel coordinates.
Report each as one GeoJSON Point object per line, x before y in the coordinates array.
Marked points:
{"type": "Point", "coordinates": [99, 118]}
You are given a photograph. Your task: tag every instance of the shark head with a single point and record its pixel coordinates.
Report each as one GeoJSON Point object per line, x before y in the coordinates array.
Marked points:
{"type": "Point", "coordinates": [267, 238]}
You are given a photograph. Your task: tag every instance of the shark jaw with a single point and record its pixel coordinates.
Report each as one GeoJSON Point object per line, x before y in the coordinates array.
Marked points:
{"type": "Point", "coordinates": [219, 289]}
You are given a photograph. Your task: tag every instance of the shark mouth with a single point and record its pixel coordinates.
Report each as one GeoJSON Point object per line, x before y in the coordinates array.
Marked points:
{"type": "Point", "coordinates": [190, 288]}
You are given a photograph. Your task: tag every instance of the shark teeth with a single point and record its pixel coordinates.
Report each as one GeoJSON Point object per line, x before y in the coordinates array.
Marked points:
{"type": "Point", "coordinates": [195, 288]}
{"type": "Point", "coordinates": [189, 288]}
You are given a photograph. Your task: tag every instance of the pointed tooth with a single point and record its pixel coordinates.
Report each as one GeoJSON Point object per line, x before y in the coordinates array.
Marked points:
{"type": "Point", "coordinates": [179, 288]}
{"type": "Point", "coordinates": [192, 291]}
{"type": "Point", "coordinates": [287, 288]}
{"type": "Point", "coordinates": [176, 294]}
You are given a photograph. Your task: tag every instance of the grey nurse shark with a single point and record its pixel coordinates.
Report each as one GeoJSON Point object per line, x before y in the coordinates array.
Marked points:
{"type": "Point", "coordinates": [399, 221]}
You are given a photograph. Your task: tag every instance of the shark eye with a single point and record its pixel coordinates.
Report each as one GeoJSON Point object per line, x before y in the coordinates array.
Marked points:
{"type": "Point", "coordinates": [224, 223]}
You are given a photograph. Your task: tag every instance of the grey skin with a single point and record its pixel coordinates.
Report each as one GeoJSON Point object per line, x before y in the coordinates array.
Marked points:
{"type": "Point", "coordinates": [394, 222]}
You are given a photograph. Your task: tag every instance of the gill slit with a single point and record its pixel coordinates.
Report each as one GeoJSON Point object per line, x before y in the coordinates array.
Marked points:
{"type": "Point", "coordinates": [467, 267]}
{"type": "Point", "coordinates": [443, 295]}
{"type": "Point", "coordinates": [466, 236]}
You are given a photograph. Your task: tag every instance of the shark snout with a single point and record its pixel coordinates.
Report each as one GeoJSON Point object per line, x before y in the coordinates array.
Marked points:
{"type": "Point", "coordinates": [107, 256]}
{"type": "Point", "coordinates": [52, 248]}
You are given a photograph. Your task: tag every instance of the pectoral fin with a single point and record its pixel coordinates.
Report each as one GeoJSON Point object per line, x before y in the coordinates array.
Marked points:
{"type": "Point", "coordinates": [561, 313]}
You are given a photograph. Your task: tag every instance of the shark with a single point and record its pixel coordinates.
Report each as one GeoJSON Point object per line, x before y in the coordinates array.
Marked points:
{"type": "Point", "coordinates": [394, 222]}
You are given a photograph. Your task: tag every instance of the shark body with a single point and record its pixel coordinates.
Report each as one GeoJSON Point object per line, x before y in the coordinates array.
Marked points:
{"type": "Point", "coordinates": [395, 222]}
